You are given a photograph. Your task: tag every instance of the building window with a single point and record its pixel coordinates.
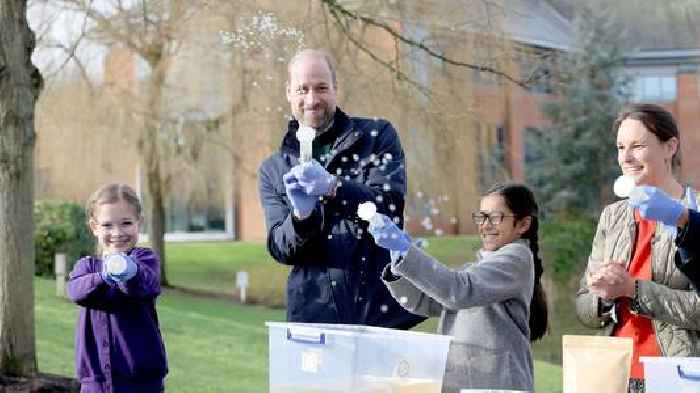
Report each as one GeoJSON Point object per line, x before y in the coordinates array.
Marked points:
{"type": "Point", "coordinates": [199, 203]}
{"type": "Point", "coordinates": [491, 140]}
{"type": "Point", "coordinates": [653, 88]}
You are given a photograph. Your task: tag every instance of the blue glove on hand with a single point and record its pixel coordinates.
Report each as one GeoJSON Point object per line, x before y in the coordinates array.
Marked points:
{"type": "Point", "coordinates": [107, 278]}
{"type": "Point", "coordinates": [314, 178]}
{"type": "Point", "coordinates": [302, 203]}
{"type": "Point", "coordinates": [131, 269]}
{"type": "Point", "coordinates": [389, 236]}
{"type": "Point", "coordinates": [127, 274]}
{"type": "Point", "coordinates": [654, 204]}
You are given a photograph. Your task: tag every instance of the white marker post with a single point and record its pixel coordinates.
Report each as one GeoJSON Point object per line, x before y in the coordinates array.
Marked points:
{"type": "Point", "coordinates": [242, 283]}
{"type": "Point", "coordinates": [60, 270]}
{"type": "Point", "coordinates": [305, 136]}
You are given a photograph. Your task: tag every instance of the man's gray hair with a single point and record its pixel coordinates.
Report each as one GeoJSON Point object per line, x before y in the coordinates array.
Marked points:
{"type": "Point", "coordinates": [313, 53]}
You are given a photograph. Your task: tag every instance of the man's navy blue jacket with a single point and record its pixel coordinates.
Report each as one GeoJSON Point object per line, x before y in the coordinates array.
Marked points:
{"type": "Point", "coordinates": [688, 255]}
{"type": "Point", "coordinates": [336, 265]}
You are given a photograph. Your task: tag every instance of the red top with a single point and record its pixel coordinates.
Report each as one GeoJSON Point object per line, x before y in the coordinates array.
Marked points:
{"type": "Point", "coordinates": [638, 327]}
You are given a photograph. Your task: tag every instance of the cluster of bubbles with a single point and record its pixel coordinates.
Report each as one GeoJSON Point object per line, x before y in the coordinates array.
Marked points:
{"type": "Point", "coordinates": [265, 35]}
{"type": "Point", "coordinates": [427, 210]}
{"type": "Point", "coordinates": [259, 32]}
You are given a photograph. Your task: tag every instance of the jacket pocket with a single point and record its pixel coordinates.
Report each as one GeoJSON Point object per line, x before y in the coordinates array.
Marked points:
{"type": "Point", "coordinates": [472, 366]}
{"type": "Point", "coordinates": [308, 293]}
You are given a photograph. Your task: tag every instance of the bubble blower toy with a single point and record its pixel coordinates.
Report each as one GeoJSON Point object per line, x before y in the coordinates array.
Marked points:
{"type": "Point", "coordinates": [305, 136]}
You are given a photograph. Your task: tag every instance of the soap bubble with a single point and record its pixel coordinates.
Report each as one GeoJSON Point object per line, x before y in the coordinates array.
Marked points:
{"type": "Point", "coordinates": [623, 186]}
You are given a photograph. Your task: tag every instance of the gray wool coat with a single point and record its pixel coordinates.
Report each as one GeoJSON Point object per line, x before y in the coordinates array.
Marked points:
{"type": "Point", "coordinates": [485, 306]}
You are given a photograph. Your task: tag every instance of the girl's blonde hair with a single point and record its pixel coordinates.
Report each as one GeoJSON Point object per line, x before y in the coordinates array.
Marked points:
{"type": "Point", "coordinates": [112, 193]}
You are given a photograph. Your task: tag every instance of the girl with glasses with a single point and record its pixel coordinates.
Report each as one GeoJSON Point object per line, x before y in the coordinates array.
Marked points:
{"type": "Point", "coordinates": [494, 307]}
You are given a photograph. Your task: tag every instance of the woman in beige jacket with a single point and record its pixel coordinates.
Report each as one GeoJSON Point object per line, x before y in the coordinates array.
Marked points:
{"type": "Point", "coordinates": [632, 286]}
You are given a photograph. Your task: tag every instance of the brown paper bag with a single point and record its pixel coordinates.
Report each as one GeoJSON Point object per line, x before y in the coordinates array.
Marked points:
{"type": "Point", "coordinates": [596, 364]}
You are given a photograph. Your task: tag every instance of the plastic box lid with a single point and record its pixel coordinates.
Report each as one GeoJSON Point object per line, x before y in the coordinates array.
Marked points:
{"type": "Point", "coordinates": [328, 358]}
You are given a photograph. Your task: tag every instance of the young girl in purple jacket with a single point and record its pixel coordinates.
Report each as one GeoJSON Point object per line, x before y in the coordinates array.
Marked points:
{"type": "Point", "coordinates": [118, 344]}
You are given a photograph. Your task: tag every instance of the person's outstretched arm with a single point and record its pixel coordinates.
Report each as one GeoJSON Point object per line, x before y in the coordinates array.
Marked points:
{"type": "Point", "coordinates": [290, 240]}
{"type": "Point", "coordinates": [88, 287]}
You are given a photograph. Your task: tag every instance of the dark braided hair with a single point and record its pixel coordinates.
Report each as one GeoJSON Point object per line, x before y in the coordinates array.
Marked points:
{"type": "Point", "coordinates": [521, 202]}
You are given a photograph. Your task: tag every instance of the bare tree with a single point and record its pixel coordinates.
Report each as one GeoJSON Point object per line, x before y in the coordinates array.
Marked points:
{"type": "Point", "coordinates": [344, 16]}
{"type": "Point", "coordinates": [148, 29]}
{"type": "Point", "coordinates": [20, 84]}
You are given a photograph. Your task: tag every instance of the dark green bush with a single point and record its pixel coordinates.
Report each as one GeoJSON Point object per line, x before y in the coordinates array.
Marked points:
{"type": "Point", "coordinates": [60, 227]}
{"type": "Point", "coordinates": [565, 241]}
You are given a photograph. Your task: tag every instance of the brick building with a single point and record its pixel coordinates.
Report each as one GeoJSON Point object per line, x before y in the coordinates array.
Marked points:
{"type": "Point", "coordinates": [219, 200]}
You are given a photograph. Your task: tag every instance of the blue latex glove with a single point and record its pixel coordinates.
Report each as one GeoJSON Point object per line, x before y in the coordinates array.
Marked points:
{"type": "Point", "coordinates": [314, 178]}
{"type": "Point", "coordinates": [131, 269]}
{"type": "Point", "coordinates": [654, 204]}
{"type": "Point", "coordinates": [389, 236]}
{"type": "Point", "coordinates": [302, 203]}
{"type": "Point", "coordinates": [106, 277]}
{"type": "Point", "coordinates": [129, 272]}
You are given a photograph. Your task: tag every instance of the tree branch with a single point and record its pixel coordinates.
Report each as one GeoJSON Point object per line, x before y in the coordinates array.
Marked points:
{"type": "Point", "coordinates": [337, 10]}
{"type": "Point", "coordinates": [399, 74]}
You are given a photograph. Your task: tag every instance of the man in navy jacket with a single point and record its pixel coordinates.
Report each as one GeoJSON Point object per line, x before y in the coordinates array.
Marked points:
{"type": "Point", "coordinates": [311, 208]}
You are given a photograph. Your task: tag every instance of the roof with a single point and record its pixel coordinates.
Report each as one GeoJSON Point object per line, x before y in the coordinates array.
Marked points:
{"type": "Point", "coordinates": [534, 22]}
{"type": "Point", "coordinates": [663, 57]}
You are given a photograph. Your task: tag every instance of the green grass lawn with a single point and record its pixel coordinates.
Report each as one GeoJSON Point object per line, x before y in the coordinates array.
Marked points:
{"type": "Point", "coordinates": [212, 266]}
{"type": "Point", "coordinates": [215, 345]}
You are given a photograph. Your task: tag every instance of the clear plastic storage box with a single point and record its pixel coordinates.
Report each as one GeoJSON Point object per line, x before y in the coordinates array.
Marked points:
{"type": "Point", "coordinates": [327, 358]}
{"type": "Point", "coordinates": [671, 374]}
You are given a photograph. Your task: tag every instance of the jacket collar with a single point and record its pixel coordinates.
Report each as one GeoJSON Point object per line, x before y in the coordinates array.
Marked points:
{"type": "Point", "coordinates": [481, 254]}
{"type": "Point", "coordinates": [342, 126]}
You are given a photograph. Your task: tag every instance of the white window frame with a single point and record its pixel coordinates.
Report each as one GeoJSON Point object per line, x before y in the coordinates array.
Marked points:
{"type": "Point", "coordinates": [229, 221]}
{"type": "Point", "coordinates": [638, 95]}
